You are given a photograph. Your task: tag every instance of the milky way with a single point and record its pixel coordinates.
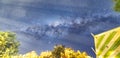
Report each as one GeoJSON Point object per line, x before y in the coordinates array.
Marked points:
{"type": "Point", "coordinates": [41, 24]}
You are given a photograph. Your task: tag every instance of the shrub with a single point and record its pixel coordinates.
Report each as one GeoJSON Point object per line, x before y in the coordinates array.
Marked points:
{"type": "Point", "coordinates": [8, 44]}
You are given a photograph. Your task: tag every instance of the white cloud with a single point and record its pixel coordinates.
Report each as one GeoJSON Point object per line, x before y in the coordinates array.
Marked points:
{"type": "Point", "coordinates": [18, 12]}
{"type": "Point", "coordinates": [58, 4]}
{"type": "Point", "coordinates": [73, 3]}
{"type": "Point", "coordinates": [12, 1]}
{"type": "Point", "coordinates": [28, 1]}
{"type": "Point", "coordinates": [2, 12]}
{"type": "Point", "coordinates": [7, 1]}
{"type": "Point", "coordinates": [5, 11]}
{"type": "Point", "coordinates": [14, 12]}
{"type": "Point", "coordinates": [12, 22]}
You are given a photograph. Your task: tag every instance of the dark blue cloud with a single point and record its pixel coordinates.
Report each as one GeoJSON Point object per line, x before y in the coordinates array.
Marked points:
{"type": "Point", "coordinates": [30, 8]}
{"type": "Point", "coordinates": [68, 22]}
{"type": "Point", "coordinates": [75, 30]}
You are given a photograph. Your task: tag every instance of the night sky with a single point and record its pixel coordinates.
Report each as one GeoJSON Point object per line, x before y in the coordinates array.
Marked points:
{"type": "Point", "coordinates": [41, 24]}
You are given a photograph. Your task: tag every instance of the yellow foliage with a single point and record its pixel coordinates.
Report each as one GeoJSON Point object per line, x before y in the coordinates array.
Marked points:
{"type": "Point", "coordinates": [46, 54]}
{"type": "Point", "coordinates": [69, 53]}
{"type": "Point", "coordinates": [8, 44]}
{"type": "Point", "coordinates": [9, 49]}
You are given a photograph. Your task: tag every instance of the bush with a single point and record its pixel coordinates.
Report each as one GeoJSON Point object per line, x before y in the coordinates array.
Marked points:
{"type": "Point", "coordinates": [117, 5]}
{"type": "Point", "coordinates": [8, 44]}
{"type": "Point", "coordinates": [9, 49]}
{"type": "Point", "coordinates": [58, 52]}
{"type": "Point", "coordinates": [62, 52]}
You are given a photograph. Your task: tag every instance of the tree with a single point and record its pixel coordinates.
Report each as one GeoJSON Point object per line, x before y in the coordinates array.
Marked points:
{"type": "Point", "coordinates": [8, 44]}
{"type": "Point", "coordinates": [58, 49]}
{"type": "Point", "coordinates": [117, 5]}
{"type": "Point", "coordinates": [61, 51]}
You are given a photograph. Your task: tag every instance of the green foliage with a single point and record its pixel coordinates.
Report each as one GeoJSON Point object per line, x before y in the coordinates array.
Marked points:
{"type": "Point", "coordinates": [9, 49]}
{"type": "Point", "coordinates": [117, 5]}
{"type": "Point", "coordinates": [56, 53]}
{"type": "Point", "coordinates": [61, 51]}
{"type": "Point", "coordinates": [8, 44]}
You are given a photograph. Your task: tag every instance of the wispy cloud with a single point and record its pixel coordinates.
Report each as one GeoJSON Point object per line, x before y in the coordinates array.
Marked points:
{"type": "Point", "coordinates": [76, 6]}
{"type": "Point", "coordinates": [18, 12]}
{"type": "Point", "coordinates": [10, 24]}
{"type": "Point", "coordinates": [80, 18]}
